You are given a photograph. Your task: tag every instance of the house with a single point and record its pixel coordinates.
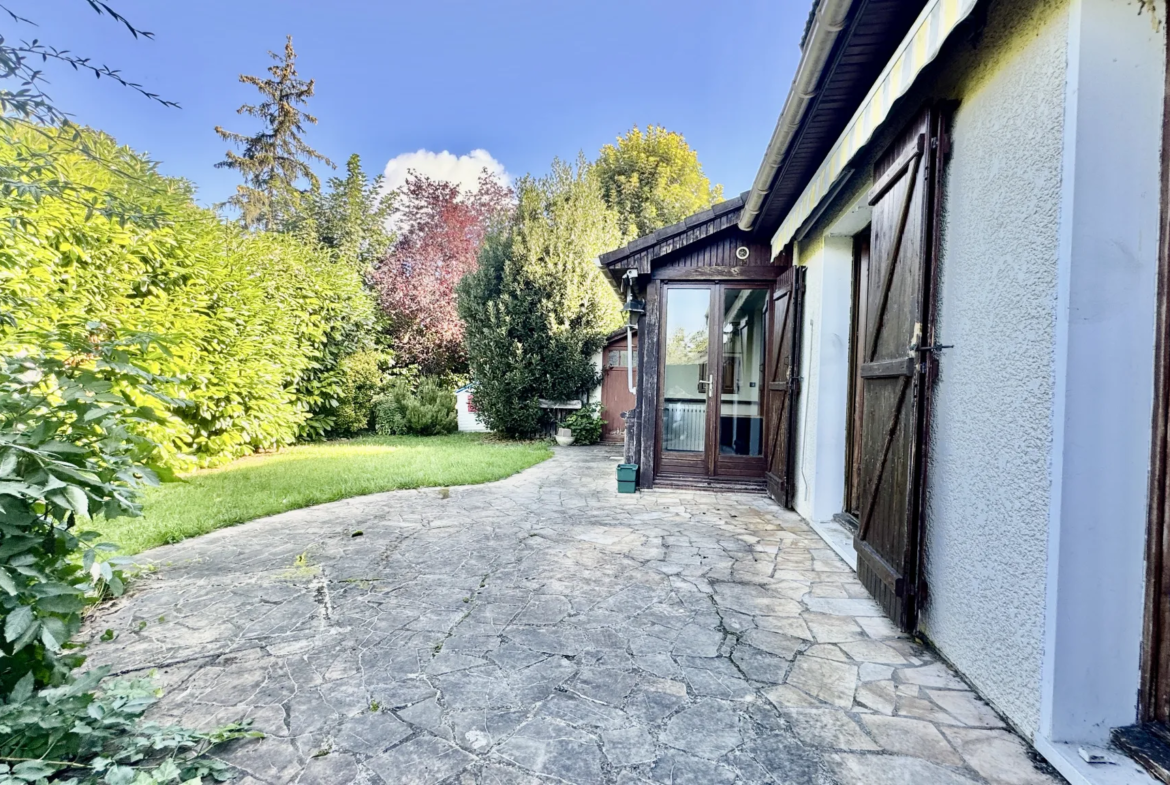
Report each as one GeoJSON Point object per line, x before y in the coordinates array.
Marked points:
{"type": "Point", "coordinates": [948, 286]}
{"type": "Point", "coordinates": [617, 364]}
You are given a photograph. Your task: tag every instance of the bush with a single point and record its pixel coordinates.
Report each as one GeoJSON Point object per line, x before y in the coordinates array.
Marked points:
{"type": "Point", "coordinates": [361, 384]}
{"type": "Point", "coordinates": [69, 452]}
{"type": "Point", "coordinates": [537, 309]}
{"type": "Point", "coordinates": [254, 323]}
{"type": "Point", "coordinates": [586, 424]}
{"type": "Point", "coordinates": [427, 411]}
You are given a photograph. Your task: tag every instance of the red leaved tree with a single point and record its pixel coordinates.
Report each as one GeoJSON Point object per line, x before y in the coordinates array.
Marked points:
{"type": "Point", "coordinates": [440, 229]}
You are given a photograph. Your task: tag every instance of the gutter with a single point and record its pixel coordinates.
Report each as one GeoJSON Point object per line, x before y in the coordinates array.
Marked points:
{"type": "Point", "coordinates": [831, 17]}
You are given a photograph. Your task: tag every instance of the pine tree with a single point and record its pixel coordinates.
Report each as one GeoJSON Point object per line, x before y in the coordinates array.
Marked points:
{"type": "Point", "coordinates": [352, 217]}
{"type": "Point", "coordinates": [275, 159]}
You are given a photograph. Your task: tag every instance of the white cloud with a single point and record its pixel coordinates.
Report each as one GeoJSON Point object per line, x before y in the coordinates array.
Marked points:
{"type": "Point", "coordinates": [462, 170]}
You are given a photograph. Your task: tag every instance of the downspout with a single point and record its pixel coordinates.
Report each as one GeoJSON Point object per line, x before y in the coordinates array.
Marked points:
{"type": "Point", "coordinates": [830, 20]}
{"type": "Point", "coordinates": [628, 283]}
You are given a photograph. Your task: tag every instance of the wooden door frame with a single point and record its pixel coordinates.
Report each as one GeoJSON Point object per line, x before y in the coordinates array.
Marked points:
{"type": "Point", "coordinates": [730, 462]}
{"type": "Point", "coordinates": [859, 297]}
{"type": "Point", "coordinates": [703, 467]}
{"type": "Point", "coordinates": [709, 464]}
{"type": "Point", "coordinates": [1154, 695]}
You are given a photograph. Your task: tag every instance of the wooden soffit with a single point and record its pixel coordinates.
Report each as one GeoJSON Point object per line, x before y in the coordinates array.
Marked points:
{"type": "Point", "coordinates": [918, 49]}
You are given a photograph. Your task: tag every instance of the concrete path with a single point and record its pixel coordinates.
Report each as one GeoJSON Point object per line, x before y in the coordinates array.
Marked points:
{"type": "Point", "coordinates": [546, 629]}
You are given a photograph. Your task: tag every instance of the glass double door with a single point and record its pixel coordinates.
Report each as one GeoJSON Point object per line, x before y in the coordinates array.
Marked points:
{"type": "Point", "coordinates": [711, 415]}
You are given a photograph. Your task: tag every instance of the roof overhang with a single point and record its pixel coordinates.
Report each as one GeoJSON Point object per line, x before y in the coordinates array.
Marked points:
{"type": "Point", "coordinates": [641, 254]}
{"type": "Point", "coordinates": [919, 48]}
{"type": "Point", "coordinates": [845, 43]}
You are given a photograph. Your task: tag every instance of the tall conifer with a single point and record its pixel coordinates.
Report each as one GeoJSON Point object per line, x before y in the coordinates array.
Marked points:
{"type": "Point", "coordinates": [276, 158]}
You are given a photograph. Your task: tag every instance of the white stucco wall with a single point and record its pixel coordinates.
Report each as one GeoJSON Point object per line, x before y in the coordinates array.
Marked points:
{"type": "Point", "coordinates": [1038, 458]}
{"type": "Point", "coordinates": [822, 407]}
{"type": "Point", "coordinates": [1107, 269]}
{"type": "Point", "coordinates": [991, 435]}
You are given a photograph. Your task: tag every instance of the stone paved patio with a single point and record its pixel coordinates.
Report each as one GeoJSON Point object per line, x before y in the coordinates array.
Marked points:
{"type": "Point", "coordinates": [546, 629]}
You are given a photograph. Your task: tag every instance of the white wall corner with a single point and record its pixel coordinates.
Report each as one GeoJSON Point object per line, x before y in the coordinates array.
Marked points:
{"type": "Point", "coordinates": [820, 468]}
{"type": "Point", "coordinates": [1107, 264]}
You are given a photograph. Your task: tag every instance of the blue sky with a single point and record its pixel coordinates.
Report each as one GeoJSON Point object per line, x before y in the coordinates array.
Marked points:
{"type": "Point", "coordinates": [525, 80]}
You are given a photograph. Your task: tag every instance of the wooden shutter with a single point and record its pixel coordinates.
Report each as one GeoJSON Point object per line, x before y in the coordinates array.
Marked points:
{"type": "Point", "coordinates": [783, 384]}
{"type": "Point", "coordinates": [893, 384]}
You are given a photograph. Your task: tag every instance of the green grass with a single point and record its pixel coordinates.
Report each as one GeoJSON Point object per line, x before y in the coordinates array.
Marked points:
{"type": "Point", "coordinates": [312, 474]}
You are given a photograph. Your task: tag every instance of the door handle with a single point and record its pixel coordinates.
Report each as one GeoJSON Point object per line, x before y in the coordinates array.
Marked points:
{"type": "Point", "coordinates": [710, 384]}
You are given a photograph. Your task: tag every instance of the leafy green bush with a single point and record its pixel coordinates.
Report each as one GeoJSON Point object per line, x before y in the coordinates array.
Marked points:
{"type": "Point", "coordinates": [427, 411]}
{"type": "Point", "coordinates": [71, 450]}
{"type": "Point", "coordinates": [361, 383]}
{"type": "Point", "coordinates": [537, 309]}
{"type": "Point", "coordinates": [68, 451]}
{"type": "Point", "coordinates": [255, 323]}
{"type": "Point", "coordinates": [93, 734]}
{"type": "Point", "coordinates": [585, 423]}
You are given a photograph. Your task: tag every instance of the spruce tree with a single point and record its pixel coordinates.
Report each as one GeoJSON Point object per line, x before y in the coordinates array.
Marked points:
{"type": "Point", "coordinates": [276, 158]}
{"type": "Point", "coordinates": [352, 216]}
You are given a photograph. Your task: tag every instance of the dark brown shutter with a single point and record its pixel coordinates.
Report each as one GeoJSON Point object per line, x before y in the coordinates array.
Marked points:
{"type": "Point", "coordinates": [893, 386]}
{"type": "Point", "coordinates": [784, 383]}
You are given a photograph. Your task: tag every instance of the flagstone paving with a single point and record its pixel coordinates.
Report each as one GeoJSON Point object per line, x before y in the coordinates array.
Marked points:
{"type": "Point", "coordinates": [546, 629]}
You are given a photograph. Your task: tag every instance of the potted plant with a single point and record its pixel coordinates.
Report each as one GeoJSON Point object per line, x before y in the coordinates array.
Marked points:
{"type": "Point", "coordinates": [582, 426]}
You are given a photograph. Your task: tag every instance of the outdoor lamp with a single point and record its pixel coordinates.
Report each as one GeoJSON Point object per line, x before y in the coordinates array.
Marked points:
{"type": "Point", "coordinates": [633, 309]}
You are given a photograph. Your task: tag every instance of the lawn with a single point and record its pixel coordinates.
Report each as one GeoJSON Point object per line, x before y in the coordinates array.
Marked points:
{"type": "Point", "coordinates": [310, 474]}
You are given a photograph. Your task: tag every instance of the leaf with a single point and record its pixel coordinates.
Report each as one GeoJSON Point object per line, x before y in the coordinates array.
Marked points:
{"type": "Point", "coordinates": [50, 641]}
{"type": "Point", "coordinates": [8, 464]}
{"type": "Point", "coordinates": [63, 448]}
{"type": "Point", "coordinates": [18, 489]}
{"type": "Point", "coordinates": [54, 589]}
{"type": "Point", "coordinates": [17, 623]}
{"type": "Point", "coordinates": [33, 770]}
{"type": "Point", "coordinates": [78, 501]}
{"type": "Point", "coordinates": [62, 604]}
{"type": "Point", "coordinates": [55, 628]}
{"type": "Point", "coordinates": [29, 635]}
{"type": "Point", "coordinates": [23, 689]}
{"type": "Point", "coordinates": [6, 582]}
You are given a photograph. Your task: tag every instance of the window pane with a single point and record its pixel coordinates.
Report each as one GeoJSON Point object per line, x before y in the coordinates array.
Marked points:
{"type": "Point", "coordinates": [686, 379]}
{"type": "Point", "coordinates": [741, 380]}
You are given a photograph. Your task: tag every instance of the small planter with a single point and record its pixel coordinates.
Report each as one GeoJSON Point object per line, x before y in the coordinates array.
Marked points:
{"type": "Point", "coordinates": [564, 437]}
{"type": "Point", "coordinates": [627, 477]}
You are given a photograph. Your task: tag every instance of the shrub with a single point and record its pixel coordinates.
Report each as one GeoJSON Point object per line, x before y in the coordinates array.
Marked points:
{"type": "Point", "coordinates": [427, 411]}
{"type": "Point", "coordinates": [586, 424]}
{"type": "Point", "coordinates": [70, 451]}
{"type": "Point", "coordinates": [254, 323]}
{"type": "Point", "coordinates": [390, 409]}
{"type": "Point", "coordinates": [361, 383]}
{"type": "Point", "coordinates": [537, 309]}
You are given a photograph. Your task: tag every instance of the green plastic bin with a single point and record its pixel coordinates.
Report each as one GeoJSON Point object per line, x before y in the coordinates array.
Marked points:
{"type": "Point", "coordinates": [627, 486]}
{"type": "Point", "coordinates": [627, 472]}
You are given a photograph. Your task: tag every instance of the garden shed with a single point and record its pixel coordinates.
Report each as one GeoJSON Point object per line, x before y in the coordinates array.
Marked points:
{"type": "Point", "coordinates": [714, 315]}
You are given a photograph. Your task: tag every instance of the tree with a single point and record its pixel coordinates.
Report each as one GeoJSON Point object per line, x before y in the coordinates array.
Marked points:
{"type": "Point", "coordinates": [276, 158]}
{"type": "Point", "coordinates": [652, 179]}
{"type": "Point", "coordinates": [441, 229]}
{"type": "Point", "coordinates": [19, 63]}
{"type": "Point", "coordinates": [538, 309]}
{"type": "Point", "coordinates": [352, 218]}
